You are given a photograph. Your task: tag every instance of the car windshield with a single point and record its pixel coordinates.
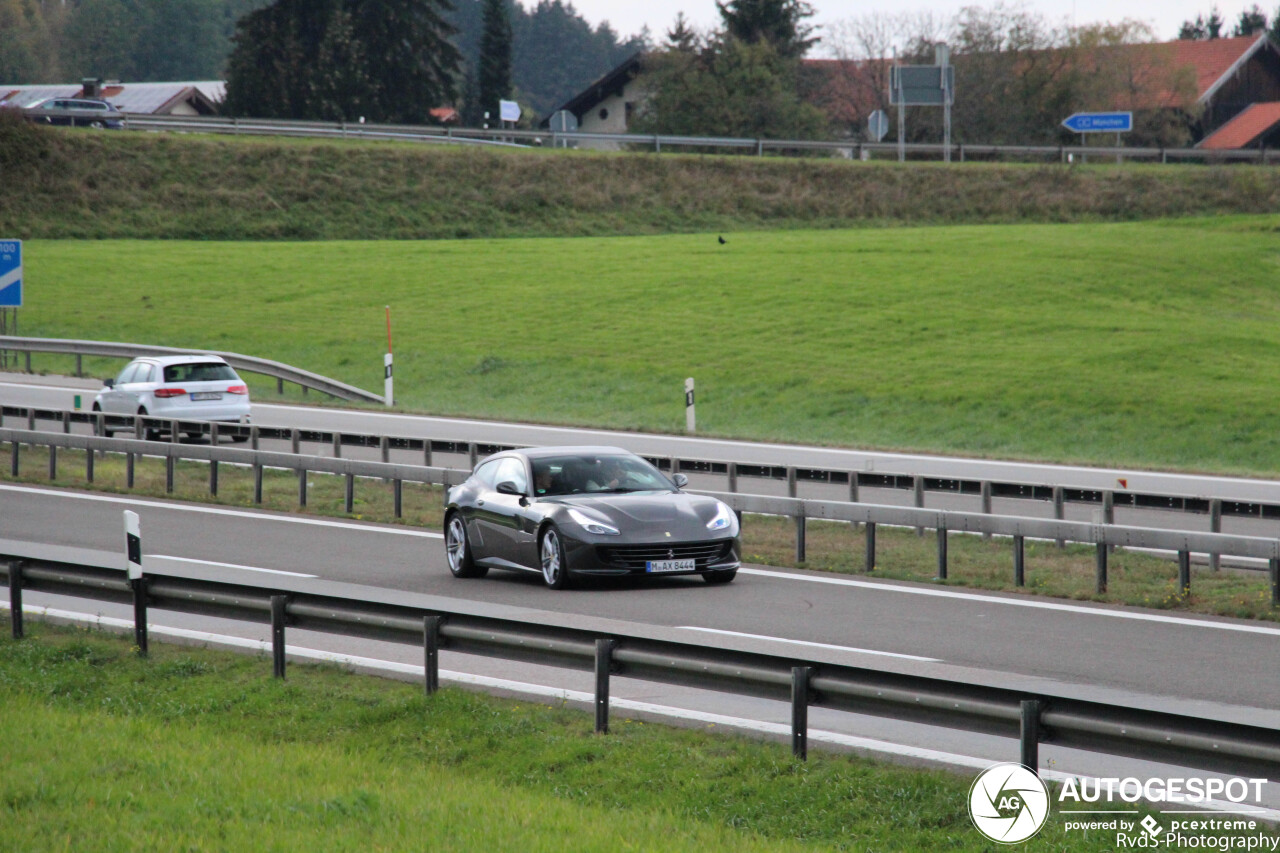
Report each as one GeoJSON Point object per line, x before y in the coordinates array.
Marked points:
{"type": "Point", "coordinates": [201, 371]}
{"type": "Point", "coordinates": [596, 474]}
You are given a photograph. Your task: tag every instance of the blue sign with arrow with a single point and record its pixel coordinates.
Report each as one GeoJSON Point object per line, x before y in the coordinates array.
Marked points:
{"type": "Point", "coordinates": [1100, 123]}
{"type": "Point", "coordinates": [10, 273]}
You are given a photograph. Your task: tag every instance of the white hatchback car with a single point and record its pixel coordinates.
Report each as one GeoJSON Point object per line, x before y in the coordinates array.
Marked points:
{"type": "Point", "coordinates": [176, 387]}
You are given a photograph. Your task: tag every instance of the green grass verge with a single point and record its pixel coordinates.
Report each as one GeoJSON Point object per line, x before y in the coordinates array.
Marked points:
{"type": "Point", "coordinates": [1134, 579]}
{"type": "Point", "coordinates": [194, 749]}
{"type": "Point", "coordinates": [133, 185]}
{"type": "Point", "coordinates": [1140, 344]}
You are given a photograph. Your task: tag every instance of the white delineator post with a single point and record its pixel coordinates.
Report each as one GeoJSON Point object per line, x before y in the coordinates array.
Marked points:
{"type": "Point", "coordinates": [133, 557]}
{"type": "Point", "coordinates": [386, 363]}
{"type": "Point", "coordinates": [690, 419]}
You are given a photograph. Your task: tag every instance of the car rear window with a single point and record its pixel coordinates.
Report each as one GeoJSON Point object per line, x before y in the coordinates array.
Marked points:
{"type": "Point", "coordinates": [201, 371]}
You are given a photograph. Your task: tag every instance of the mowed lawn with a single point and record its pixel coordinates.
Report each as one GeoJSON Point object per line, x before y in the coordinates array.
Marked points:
{"type": "Point", "coordinates": [1142, 344]}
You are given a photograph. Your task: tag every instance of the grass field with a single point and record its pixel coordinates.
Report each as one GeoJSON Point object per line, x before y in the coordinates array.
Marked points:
{"type": "Point", "coordinates": [195, 749]}
{"type": "Point", "coordinates": [1137, 344]}
{"type": "Point", "coordinates": [60, 183]}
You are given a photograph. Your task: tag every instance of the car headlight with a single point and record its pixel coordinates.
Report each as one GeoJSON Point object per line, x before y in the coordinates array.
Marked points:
{"type": "Point", "coordinates": [591, 525]}
{"type": "Point", "coordinates": [723, 519]}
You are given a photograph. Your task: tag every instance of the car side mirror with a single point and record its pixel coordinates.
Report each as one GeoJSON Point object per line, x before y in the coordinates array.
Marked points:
{"type": "Point", "coordinates": [680, 480]}
{"type": "Point", "coordinates": [506, 487]}
{"type": "Point", "coordinates": [108, 383]}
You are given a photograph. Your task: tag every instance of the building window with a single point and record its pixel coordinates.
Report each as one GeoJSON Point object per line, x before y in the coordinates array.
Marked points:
{"type": "Point", "coordinates": [604, 113]}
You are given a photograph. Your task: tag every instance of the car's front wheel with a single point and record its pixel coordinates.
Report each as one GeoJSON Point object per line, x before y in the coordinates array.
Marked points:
{"type": "Point", "coordinates": [720, 577]}
{"type": "Point", "coordinates": [106, 432]}
{"type": "Point", "coordinates": [551, 558]}
{"type": "Point", "coordinates": [461, 562]}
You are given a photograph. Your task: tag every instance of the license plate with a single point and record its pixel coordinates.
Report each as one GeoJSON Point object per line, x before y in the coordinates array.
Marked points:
{"type": "Point", "coordinates": [670, 566]}
{"type": "Point", "coordinates": [206, 395]}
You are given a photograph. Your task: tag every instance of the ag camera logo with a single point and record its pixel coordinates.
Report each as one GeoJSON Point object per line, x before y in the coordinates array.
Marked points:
{"type": "Point", "coordinates": [1008, 803]}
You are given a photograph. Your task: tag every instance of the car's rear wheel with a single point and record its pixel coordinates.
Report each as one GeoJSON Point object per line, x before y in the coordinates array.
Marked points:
{"type": "Point", "coordinates": [720, 577]}
{"type": "Point", "coordinates": [461, 562]}
{"type": "Point", "coordinates": [106, 431]}
{"type": "Point", "coordinates": [551, 558]}
{"type": "Point", "coordinates": [151, 434]}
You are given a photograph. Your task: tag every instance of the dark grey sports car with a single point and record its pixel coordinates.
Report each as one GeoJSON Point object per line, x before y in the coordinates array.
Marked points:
{"type": "Point", "coordinates": [573, 511]}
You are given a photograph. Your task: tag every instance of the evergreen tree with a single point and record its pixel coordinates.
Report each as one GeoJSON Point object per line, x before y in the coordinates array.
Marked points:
{"type": "Point", "coordinates": [781, 23]}
{"type": "Point", "coordinates": [493, 71]}
{"type": "Point", "coordinates": [1252, 20]}
{"type": "Point", "coordinates": [682, 36]}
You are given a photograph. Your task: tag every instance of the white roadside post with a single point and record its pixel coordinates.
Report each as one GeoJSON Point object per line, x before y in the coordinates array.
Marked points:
{"type": "Point", "coordinates": [690, 419]}
{"type": "Point", "coordinates": [388, 393]}
{"type": "Point", "coordinates": [133, 554]}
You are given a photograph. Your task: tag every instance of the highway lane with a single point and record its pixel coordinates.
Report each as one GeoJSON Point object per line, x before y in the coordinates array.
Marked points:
{"type": "Point", "coordinates": [58, 392]}
{"type": "Point", "coordinates": [1211, 664]}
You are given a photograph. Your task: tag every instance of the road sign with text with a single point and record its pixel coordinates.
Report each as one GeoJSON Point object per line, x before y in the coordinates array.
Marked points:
{"type": "Point", "coordinates": [10, 273]}
{"type": "Point", "coordinates": [1100, 123]}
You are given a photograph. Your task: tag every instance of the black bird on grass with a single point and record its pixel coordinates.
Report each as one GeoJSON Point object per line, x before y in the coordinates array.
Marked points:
{"type": "Point", "coordinates": [722, 240]}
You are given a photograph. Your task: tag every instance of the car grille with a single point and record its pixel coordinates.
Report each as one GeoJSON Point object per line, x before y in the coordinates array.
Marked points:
{"type": "Point", "coordinates": [635, 556]}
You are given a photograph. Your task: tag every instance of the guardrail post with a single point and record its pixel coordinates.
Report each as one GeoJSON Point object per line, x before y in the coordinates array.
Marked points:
{"type": "Point", "coordinates": [257, 482]}
{"type": "Point", "coordinates": [986, 503]}
{"type": "Point", "coordinates": [53, 462]}
{"type": "Point", "coordinates": [397, 495]}
{"type": "Point", "coordinates": [213, 477]}
{"type": "Point", "coordinates": [791, 482]}
{"type": "Point", "coordinates": [918, 488]}
{"type": "Point", "coordinates": [174, 432]}
{"type": "Point", "coordinates": [138, 427]}
{"type": "Point", "coordinates": [337, 445]}
{"type": "Point", "coordinates": [800, 543]}
{"type": "Point", "coordinates": [473, 452]}
{"type": "Point", "coordinates": [213, 434]}
{"type": "Point", "coordinates": [169, 464]}
{"type": "Point", "coordinates": [1273, 569]}
{"type": "Point", "coordinates": [295, 440]}
{"type": "Point", "coordinates": [604, 663]}
{"type": "Point", "coordinates": [800, 711]}
{"type": "Point", "coordinates": [871, 546]}
{"type": "Point", "coordinates": [350, 496]}
{"type": "Point", "coordinates": [1059, 510]}
{"type": "Point", "coordinates": [1109, 510]}
{"type": "Point", "coordinates": [431, 652]}
{"type": "Point", "coordinates": [278, 605]}
{"type": "Point", "coordinates": [100, 424]}
{"type": "Point", "coordinates": [733, 476]}
{"type": "Point", "coordinates": [88, 464]}
{"type": "Point", "coordinates": [942, 552]}
{"type": "Point", "coordinates": [139, 587]}
{"type": "Point", "coordinates": [426, 452]}
{"type": "Point", "coordinates": [129, 465]}
{"type": "Point", "coordinates": [1100, 584]}
{"type": "Point", "coordinates": [384, 447]}
{"type": "Point", "coordinates": [302, 487]}
{"type": "Point", "coordinates": [14, 462]}
{"type": "Point", "coordinates": [15, 597]}
{"type": "Point", "coordinates": [1019, 561]}
{"type": "Point", "coordinates": [253, 437]}
{"type": "Point", "coordinates": [1029, 736]}
{"type": "Point", "coordinates": [1215, 526]}
{"type": "Point", "coordinates": [853, 487]}
{"type": "Point", "coordinates": [1184, 573]}
{"type": "Point", "coordinates": [279, 386]}
{"type": "Point", "coordinates": [79, 365]}
{"type": "Point", "coordinates": [65, 417]}
{"type": "Point", "coordinates": [31, 419]}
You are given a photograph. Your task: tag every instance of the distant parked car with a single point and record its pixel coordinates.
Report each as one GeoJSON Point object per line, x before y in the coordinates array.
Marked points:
{"type": "Point", "coordinates": [85, 112]}
{"type": "Point", "coordinates": [585, 511]}
{"type": "Point", "coordinates": [177, 387]}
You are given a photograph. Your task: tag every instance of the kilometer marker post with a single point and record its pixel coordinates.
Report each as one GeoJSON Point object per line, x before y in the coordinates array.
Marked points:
{"type": "Point", "coordinates": [387, 361]}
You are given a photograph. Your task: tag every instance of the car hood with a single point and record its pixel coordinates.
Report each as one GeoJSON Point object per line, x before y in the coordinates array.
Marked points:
{"type": "Point", "coordinates": [682, 515]}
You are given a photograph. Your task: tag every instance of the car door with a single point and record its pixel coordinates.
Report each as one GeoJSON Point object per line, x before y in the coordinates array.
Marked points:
{"type": "Point", "coordinates": [113, 399]}
{"type": "Point", "coordinates": [479, 488]}
{"type": "Point", "coordinates": [134, 393]}
{"type": "Point", "coordinates": [501, 519]}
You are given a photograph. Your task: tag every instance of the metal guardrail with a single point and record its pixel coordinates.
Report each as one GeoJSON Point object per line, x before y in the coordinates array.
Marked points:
{"type": "Point", "coordinates": [615, 649]}
{"type": "Point", "coordinates": [656, 142]}
{"type": "Point", "coordinates": [1104, 537]}
{"type": "Point", "coordinates": [251, 364]}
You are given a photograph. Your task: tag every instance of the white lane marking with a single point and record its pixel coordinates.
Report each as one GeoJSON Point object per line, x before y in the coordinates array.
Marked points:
{"type": "Point", "coordinates": [807, 643]}
{"type": "Point", "coordinates": [1014, 602]}
{"type": "Point", "coordinates": [340, 525]}
{"type": "Point", "coordinates": [587, 699]}
{"type": "Point", "coordinates": [227, 565]}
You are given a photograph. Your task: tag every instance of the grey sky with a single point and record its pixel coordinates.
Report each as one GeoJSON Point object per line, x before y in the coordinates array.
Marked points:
{"type": "Point", "coordinates": [1163, 15]}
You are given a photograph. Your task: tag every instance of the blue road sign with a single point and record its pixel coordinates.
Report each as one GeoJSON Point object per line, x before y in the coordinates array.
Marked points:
{"type": "Point", "coordinates": [1100, 123]}
{"type": "Point", "coordinates": [10, 273]}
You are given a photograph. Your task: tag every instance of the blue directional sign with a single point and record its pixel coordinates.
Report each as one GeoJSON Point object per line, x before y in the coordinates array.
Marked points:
{"type": "Point", "coordinates": [1100, 123]}
{"type": "Point", "coordinates": [10, 273]}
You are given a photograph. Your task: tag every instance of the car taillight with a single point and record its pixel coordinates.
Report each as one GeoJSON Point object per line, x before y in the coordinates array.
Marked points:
{"type": "Point", "coordinates": [238, 389]}
{"type": "Point", "coordinates": [170, 392]}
